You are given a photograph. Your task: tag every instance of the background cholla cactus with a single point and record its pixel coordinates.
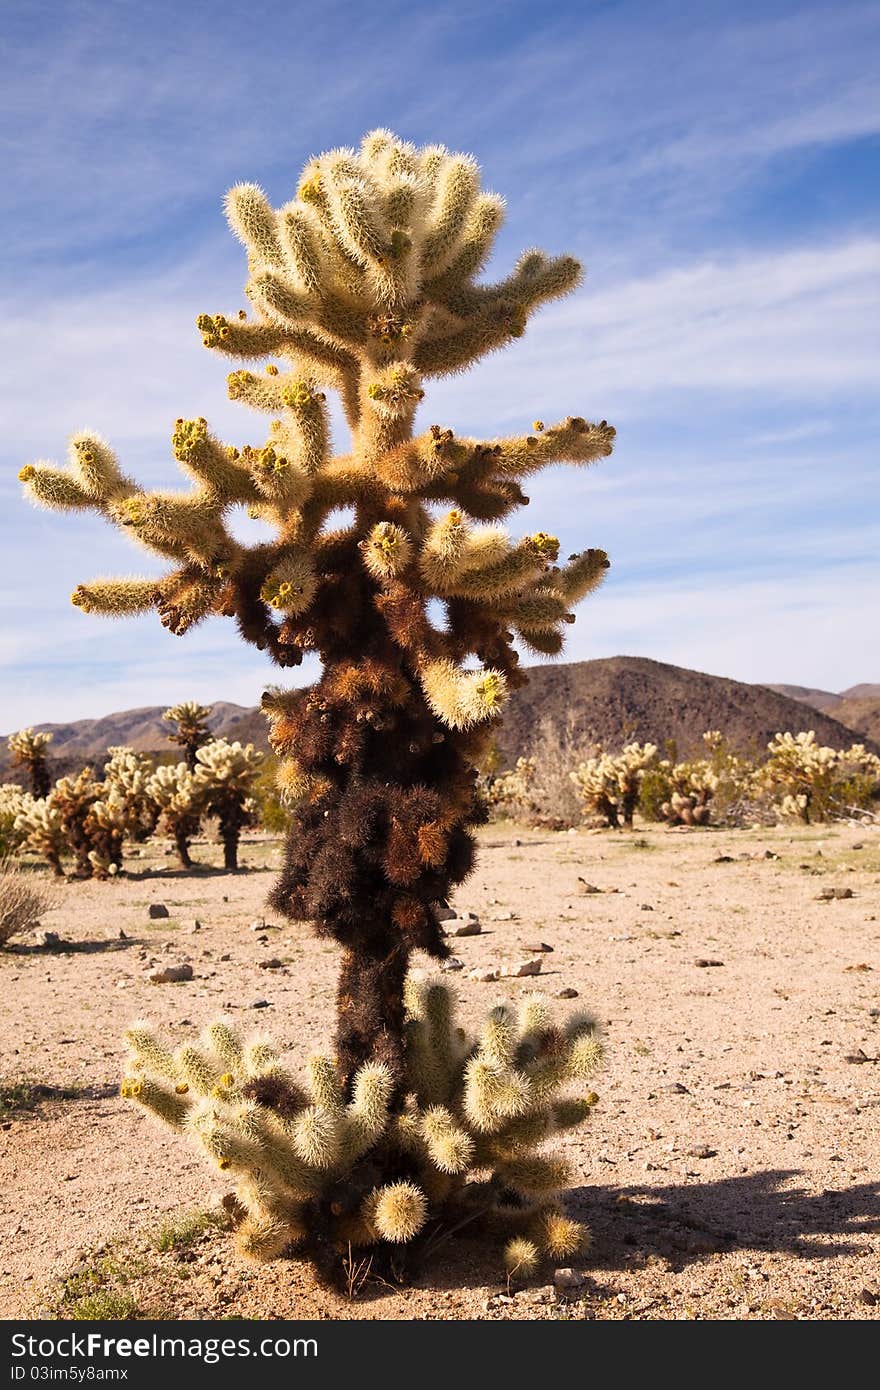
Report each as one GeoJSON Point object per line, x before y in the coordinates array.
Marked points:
{"type": "Point", "coordinates": [190, 720]}
{"type": "Point", "coordinates": [127, 773]}
{"type": "Point", "coordinates": [39, 827]}
{"type": "Point", "coordinates": [692, 786]}
{"type": "Point", "coordinates": [72, 798]}
{"type": "Point", "coordinates": [13, 801]}
{"type": "Point", "coordinates": [106, 824]}
{"type": "Point", "coordinates": [28, 749]}
{"type": "Point", "coordinates": [609, 784]}
{"type": "Point", "coordinates": [814, 783]}
{"type": "Point", "coordinates": [320, 1168]}
{"type": "Point", "coordinates": [180, 798]}
{"type": "Point", "coordinates": [364, 284]}
{"type": "Point", "coordinates": [511, 793]}
{"type": "Point", "coordinates": [801, 773]}
{"type": "Point", "coordinates": [226, 773]}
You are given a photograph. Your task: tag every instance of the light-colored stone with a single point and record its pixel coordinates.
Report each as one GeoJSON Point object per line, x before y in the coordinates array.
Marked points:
{"type": "Point", "coordinates": [526, 967]}
{"type": "Point", "coordinates": [170, 974]}
{"type": "Point", "coordinates": [569, 1278]}
{"type": "Point", "coordinates": [484, 977]}
{"type": "Point", "coordinates": [471, 927]}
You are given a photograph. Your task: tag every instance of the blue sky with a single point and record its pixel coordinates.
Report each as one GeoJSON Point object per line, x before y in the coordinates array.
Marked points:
{"type": "Point", "coordinates": [714, 165]}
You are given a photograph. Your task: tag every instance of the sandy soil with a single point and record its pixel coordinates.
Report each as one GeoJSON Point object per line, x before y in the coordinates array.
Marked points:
{"type": "Point", "coordinates": [731, 1168]}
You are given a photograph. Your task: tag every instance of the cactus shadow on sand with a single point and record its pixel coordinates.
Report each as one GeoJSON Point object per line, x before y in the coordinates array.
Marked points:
{"type": "Point", "coordinates": [761, 1211]}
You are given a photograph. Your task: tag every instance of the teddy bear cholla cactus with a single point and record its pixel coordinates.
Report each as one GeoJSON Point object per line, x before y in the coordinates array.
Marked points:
{"type": "Point", "coordinates": [812, 782]}
{"type": "Point", "coordinates": [319, 1167]}
{"type": "Point", "coordinates": [364, 284]}
{"type": "Point", "coordinates": [512, 792]}
{"type": "Point", "coordinates": [609, 784]}
{"type": "Point", "coordinates": [127, 773]}
{"type": "Point", "coordinates": [39, 827]}
{"type": "Point", "coordinates": [180, 798]}
{"type": "Point", "coordinates": [191, 731]}
{"type": "Point", "coordinates": [14, 800]}
{"type": "Point", "coordinates": [692, 785]}
{"type": "Point", "coordinates": [28, 749]}
{"type": "Point", "coordinates": [226, 773]}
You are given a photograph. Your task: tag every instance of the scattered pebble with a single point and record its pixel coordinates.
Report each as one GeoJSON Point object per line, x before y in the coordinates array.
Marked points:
{"type": "Point", "coordinates": [569, 1278]}
{"type": "Point", "coordinates": [706, 964]}
{"type": "Point", "coordinates": [827, 895]}
{"type": "Point", "coordinates": [541, 947]}
{"type": "Point", "coordinates": [567, 994]}
{"type": "Point", "coordinates": [260, 1004]}
{"type": "Point", "coordinates": [157, 910]}
{"type": "Point", "coordinates": [585, 889]}
{"type": "Point", "coordinates": [170, 974]}
{"type": "Point", "coordinates": [452, 963]}
{"type": "Point", "coordinates": [527, 967]}
{"type": "Point", "coordinates": [484, 977]}
{"type": "Point", "coordinates": [471, 927]}
{"type": "Point", "coordinates": [273, 964]}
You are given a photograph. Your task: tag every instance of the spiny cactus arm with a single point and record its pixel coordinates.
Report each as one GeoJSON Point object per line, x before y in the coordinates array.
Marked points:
{"type": "Point", "coordinates": [536, 279]}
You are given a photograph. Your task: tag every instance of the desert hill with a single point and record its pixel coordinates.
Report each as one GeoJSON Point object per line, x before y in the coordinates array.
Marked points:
{"type": "Point", "coordinates": [858, 707]}
{"type": "Point", "coordinates": [584, 702]}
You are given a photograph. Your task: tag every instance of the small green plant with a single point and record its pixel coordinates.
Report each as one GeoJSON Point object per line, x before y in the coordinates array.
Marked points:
{"type": "Point", "coordinates": [185, 1231]}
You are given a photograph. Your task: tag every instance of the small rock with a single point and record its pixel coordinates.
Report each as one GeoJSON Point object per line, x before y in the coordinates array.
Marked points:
{"type": "Point", "coordinates": [471, 927]}
{"type": "Point", "coordinates": [504, 917]}
{"type": "Point", "coordinates": [541, 947]}
{"type": "Point", "coordinates": [585, 889]}
{"type": "Point", "coordinates": [195, 925]}
{"type": "Point", "coordinates": [445, 914]}
{"type": "Point", "coordinates": [869, 1296]}
{"type": "Point", "coordinates": [227, 956]}
{"type": "Point", "coordinates": [827, 895]}
{"type": "Point", "coordinates": [50, 939]}
{"type": "Point", "coordinates": [170, 974]}
{"type": "Point", "coordinates": [645, 907]}
{"type": "Point", "coordinates": [702, 1151]}
{"type": "Point", "coordinates": [483, 977]}
{"type": "Point", "coordinates": [569, 1279]}
{"type": "Point", "coordinates": [121, 935]}
{"type": "Point", "coordinates": [157, 910]}
{"type": "Point", "coordinates": [527, 967]}
{"type": "Point", "coordinates": [272, 964]}
{"type": "Point", "coordinates": [707, 964]}
{"type": "Point", "coordinates": [260, 1004]}
{"type": "Point", "coordinates": [258, 924]}
{"type": "Point", "coordinates": [567, 994]}
{"type": "Point", "coordinates": [723, 859]}
{"type": "Point", "coordinates": [452, 963]}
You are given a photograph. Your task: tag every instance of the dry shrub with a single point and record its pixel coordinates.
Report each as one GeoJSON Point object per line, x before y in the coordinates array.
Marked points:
{"type": "Point", "coordinates": [22, 901]}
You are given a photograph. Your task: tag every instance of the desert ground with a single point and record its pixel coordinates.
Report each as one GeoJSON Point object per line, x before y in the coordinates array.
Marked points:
{"type": "Point", "coordinates": [730, 1169]}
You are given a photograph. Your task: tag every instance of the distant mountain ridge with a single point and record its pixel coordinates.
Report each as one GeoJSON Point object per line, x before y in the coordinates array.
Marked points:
{"type": "Point", "coordinates": [605, 701]}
